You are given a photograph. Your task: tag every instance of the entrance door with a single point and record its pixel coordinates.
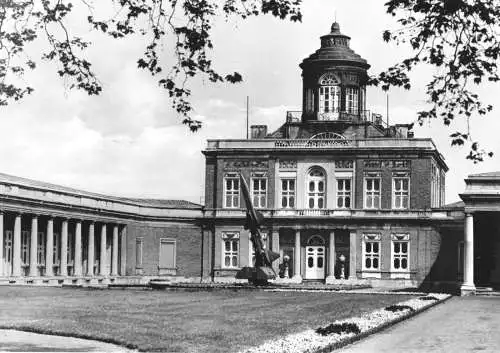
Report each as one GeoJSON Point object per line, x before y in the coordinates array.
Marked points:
{"type": "Point", "coordinates": [7, 253]}
{"type": "Point", "coordinates": [315, 262]}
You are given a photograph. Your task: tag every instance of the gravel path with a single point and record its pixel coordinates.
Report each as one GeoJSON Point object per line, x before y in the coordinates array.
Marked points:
{"type": "Point", "coordinates": [460, 325]}
{"type": "Point", "coordinates": [19, 341]}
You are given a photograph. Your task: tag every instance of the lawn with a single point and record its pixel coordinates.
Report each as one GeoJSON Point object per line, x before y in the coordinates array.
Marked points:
{"type": "Point", "coordinates": [178, 321]}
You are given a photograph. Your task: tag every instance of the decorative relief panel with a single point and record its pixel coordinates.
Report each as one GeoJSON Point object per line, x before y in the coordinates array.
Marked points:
{"type": "Point", "coordinates": [344, 164]}
{"type": "Point", "coordinates": [400, 236]}
{"type": "Point", "coordinates": [284, 164]}
{"type": "Point", "coordinates": [387, 163]}
{"type": "Point", "coordinates": [245, 163]}
{"type": "Point", "coordinates": [372, 236]}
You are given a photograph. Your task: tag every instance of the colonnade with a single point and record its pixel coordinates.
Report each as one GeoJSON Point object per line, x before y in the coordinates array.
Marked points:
{"type": "Point", "coordinates": [58, 246]}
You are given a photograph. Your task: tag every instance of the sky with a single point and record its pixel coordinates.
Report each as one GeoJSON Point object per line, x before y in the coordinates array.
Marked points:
{"type": "Point", "coordinates": [129, 142]}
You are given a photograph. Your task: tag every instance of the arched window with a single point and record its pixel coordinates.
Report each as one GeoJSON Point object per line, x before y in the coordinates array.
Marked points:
{"type": "Point", "coordinates": [329, 97]}
{"type": "Point", "coordinates": [316, 189]}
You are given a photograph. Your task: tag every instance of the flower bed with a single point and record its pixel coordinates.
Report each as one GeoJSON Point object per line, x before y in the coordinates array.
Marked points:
{"type": "Point", "coordinates": [342, 332]}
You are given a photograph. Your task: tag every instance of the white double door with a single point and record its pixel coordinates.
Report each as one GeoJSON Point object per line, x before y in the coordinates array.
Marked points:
{"type": "Point", "coordinates": [315, 262]}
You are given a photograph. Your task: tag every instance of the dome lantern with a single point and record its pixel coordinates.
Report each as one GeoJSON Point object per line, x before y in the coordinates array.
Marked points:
{"type": "Point", "coordinates": [334, 81]}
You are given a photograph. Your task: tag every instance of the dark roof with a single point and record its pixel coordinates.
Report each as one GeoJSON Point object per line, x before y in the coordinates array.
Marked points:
{"type": "Point", "coordinates": [164, 203]}
{"type": "Point", "coordinates": [341, 53]}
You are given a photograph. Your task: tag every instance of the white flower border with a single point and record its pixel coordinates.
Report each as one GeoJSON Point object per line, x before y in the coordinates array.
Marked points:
{"type": "Point", "coordinates": [309, 341]}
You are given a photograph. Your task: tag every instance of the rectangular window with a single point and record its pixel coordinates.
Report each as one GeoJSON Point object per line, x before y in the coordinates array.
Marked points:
{"type": "Point", "coordinates": [372, 193]}
{"type": "Point", "coordinates": [400, 252]}
{"type": "Point", "coordinates": [230, 249]}
{"type": "Point", "coordinates": [287, 193]}
{"type": "Point", "coordinates": [401, 193]}
{"type": "Point", "coordinates": [138, 252]}
{"type": "Point", "coordinates": [167, 253]}
{"type": "Point", "coordinates": [40, 254]}
{"type": "Point", "coordinates": [25, 248]}
{"type": "Point", "coordinates": [343, 193]}
{"type": "Point", "coordinates": [352, 100]}
{"type": "Point", "coordinates": [329, 98]}
{"type": "Point", "coordinates": [371, 252]}
{"type": "Point", "coordinates": [56, 254]}
{"type": "Point", "coordinates": [259, 192]}
{"type": "Point", "coordinates": [231, 192]}
{"type": "Point", "coordinates": [70, 249]}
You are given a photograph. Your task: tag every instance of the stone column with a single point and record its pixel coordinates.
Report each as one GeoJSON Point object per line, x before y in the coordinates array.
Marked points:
{"type": "Point", "coordinates": [296, 267]}
{"type": "Point", "coordinates": [90, 251]}
{"type": "Point", "coordinates": [102, 259]}
{"type": "Point", "coordinates": [331, 258]}
{"type": "Point", "coordinates": [123, 251]}
{"type": "Point", "coordinates": [352, 254]}
{"type": "Point", "coordinates": [78, 249]}
{"type": "Point", "coordinates": [275, 247]}
{"type": "Point", "coordinates": [64, 248]}
{"type": "Point", "coordinates": [34, 246]}
{"type": "Point", "coordinates": [16, 261]}
{"type": "Point", "coordinates": [468, 286]}
{"type": "Point", "coordinates": [1, 243]}
{"type": "Point", "coordinates": [114, 252]}
{"type": "Point", "coordinates": [49, 253]}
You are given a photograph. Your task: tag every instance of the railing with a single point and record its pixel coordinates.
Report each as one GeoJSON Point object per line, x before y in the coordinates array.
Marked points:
{"type": "Point", "coordinates": [308, 143]}
{"type": "Point", "coordinates": [341, 213]}
{"type": "Point", "coordinates": [271, 144]}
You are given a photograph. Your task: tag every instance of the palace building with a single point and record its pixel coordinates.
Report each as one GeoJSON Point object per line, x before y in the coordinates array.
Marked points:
{"type": "Point", "coordinates": [345, 198]}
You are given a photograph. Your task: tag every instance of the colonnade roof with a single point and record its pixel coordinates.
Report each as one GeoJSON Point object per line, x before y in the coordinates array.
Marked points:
{"type": "Point", "coordinates": [8, 180]}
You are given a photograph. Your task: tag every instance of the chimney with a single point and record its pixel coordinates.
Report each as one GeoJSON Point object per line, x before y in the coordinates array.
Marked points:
{"type": "Point", "coordinates": [258, 131]}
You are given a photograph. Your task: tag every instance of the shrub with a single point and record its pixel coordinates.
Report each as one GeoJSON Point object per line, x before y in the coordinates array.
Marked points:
{"type": "Point", "coordinates": [345, 327]}
{"type": "Point", "coordinates": [394, 308]}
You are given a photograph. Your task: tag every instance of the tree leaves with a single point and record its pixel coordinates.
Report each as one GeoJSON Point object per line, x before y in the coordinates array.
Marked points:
{"type": "Point", "coordinates": [188, 22]}
{"type": "Point", "coordinates": [460, 38]}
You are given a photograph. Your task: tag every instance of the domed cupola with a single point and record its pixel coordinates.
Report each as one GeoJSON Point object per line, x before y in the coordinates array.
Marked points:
{"type": "Point", "coordinates": [334, 81]}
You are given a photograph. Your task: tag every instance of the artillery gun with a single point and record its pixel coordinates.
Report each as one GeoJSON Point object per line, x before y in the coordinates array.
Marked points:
{"type": "Point", "coordinates": [262, 270]}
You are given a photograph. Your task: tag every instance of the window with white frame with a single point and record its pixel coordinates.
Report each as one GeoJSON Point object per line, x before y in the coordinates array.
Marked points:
{"type": "Point", "coordinates": [329, 99]}
{"type": "Point", "coordinates": [259, 192]}
{"type": "Point", "coordinates": [344, 192]}
{"type": "Point", "coordinates": [25, 248]}
{"type": "Point", "coordinates": [40, 249]}
{"type": "Point", "coordinates": [352, 100]}
{"type": "Point", "coordinates": [287, 193]}
{"type": "Point", "coordinates": [230, 249]}
{"type": "Point", "coordinates": [316, 189]}
{"type": "Point", "coordinates": [400, 192]}
{"type": "Point", "coordinates": [329, 96]}
{"type": "Point", "coordinates": [252, 250]}
{"type": "Point", "coordinates": [371, 252]}
{"type": "Point", "coordinates": [232, 191]}
{"type": "Point", "coordinates": [400, 252]}
{"type": "Point", "coordinates": [372, 192]}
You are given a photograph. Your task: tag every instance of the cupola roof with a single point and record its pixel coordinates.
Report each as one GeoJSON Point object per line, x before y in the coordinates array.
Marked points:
{"type": "Point", "coordinates": [335, 48]}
